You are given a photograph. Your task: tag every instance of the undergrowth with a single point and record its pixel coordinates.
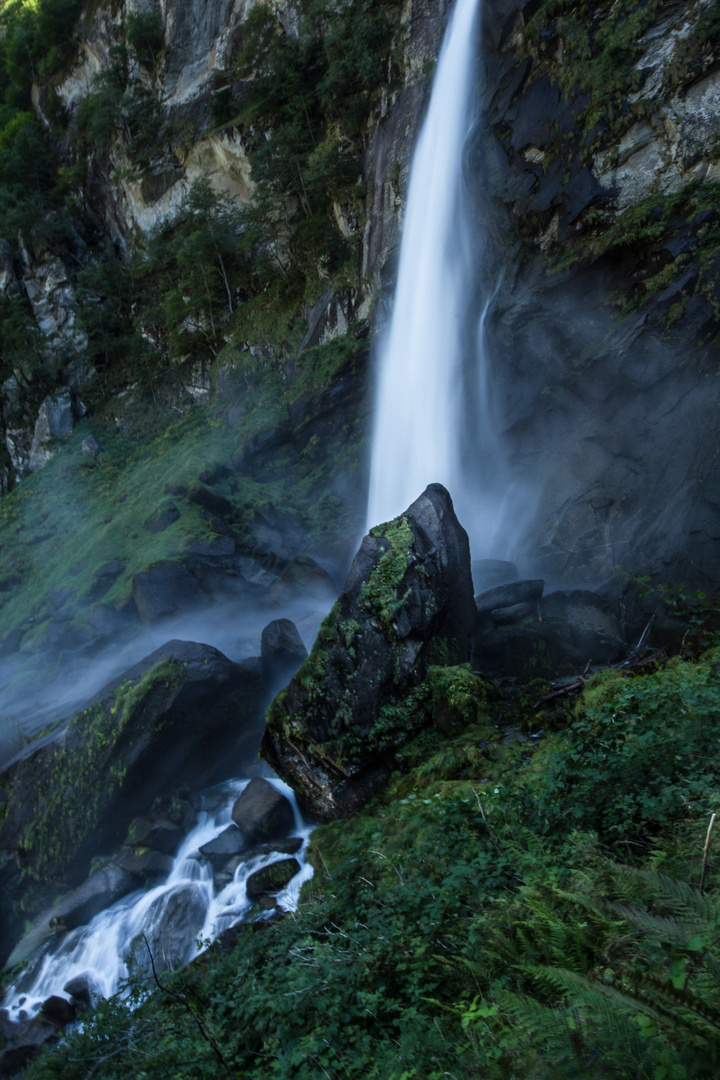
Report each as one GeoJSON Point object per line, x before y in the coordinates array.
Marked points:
{"type": "Point", "coordinates": [500, 912]}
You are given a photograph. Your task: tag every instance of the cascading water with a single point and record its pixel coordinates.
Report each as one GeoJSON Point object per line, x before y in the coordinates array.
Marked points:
{"type": "Point", "coordinates": [177, 918]}
{"type": "Point", "coordinates": [418, 410]}
{"type": "Point", "coordinates": [432, 418]}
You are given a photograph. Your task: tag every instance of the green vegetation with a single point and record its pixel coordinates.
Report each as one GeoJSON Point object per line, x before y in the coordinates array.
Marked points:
{"type": "Point", "coordinates": [380, 592]}
{"type": "Point", "coordinates": [500, 912]}
{"type": "Point", "coordinates": [76, 514]}
{"type": "Point", "coordinates": [87, 771]}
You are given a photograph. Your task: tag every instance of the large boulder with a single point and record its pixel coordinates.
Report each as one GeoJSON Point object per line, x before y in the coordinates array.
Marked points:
{"type": "Point", "coordinates": [165, 589]}
{"type": "Point", "coordinates": [186, 714]}
{"type": "Point", "coordinates": [262, 812]}
{"type": "Point", "coordinates": [407, 603]}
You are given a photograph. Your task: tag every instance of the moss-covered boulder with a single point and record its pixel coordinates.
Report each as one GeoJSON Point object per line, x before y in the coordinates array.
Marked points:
{"type": "Point", "coordinates": [407, 603]}
{"type": "Point", "coordinates": [184, 715]}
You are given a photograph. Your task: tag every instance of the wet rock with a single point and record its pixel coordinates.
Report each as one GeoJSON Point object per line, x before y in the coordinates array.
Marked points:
{"type": "Point", "coordinates": [111, 570]}
{"type": "Point", "coordinates": [144, 863]}
{"type": "Point", "coordinates": [167, 588]}
{"type": "Point", "coordinates": [585, 628]}
{"type": "Point", "coordinates": [229, 842]}
{"type": "Point", "coordinates": [283, 847]}
{"type": "Point", "coordinates": [262, 813]}
{"type": "Point", "coordinates": [162, 518]}
{"type": "Point", "coordinates": [515, 592]}
{"type": "Point", "coordinates": [302, 579]}
{"type": "Point", "coordinates": [282, 650]}
{"type": "Point", "coordinates": [82, 990]}
{"type": "Point", "coordinates": [514, 613]}
{"type": "Point", "coordinates": [272, 878]}
{"type": "Point", "coordinates": [154, 831]}
{"type": "Point", "coordinates": [267, 903]}
{"type": "Point", "coordinates": [407, 603]}
{"type": "Point", "coordinates": [178, 916]}
{"type": "Point", "coordinates": [25, 1043]}
{"type": "Point", "coordinates": [186, 714]}
{"type": "Point", "coordinates": [58, 1010]}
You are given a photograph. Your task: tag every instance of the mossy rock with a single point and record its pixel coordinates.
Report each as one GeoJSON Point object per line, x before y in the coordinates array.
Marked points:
{"type": "Point", "coordinates": [186, 714]}
{"type": "Point", "coordinates": [407, 602]}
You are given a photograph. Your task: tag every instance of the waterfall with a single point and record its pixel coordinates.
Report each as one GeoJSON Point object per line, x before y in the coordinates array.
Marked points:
{"type": "Point", "coordinates": [419, 390]}
{"type": "Point", "coordinates": [183, 914]}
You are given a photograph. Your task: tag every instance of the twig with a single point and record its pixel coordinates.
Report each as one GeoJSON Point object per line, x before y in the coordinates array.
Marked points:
{"type": "Point", "coordinates": [706, 849]}
{"type": "Point", "coordinates": [186, 1005]}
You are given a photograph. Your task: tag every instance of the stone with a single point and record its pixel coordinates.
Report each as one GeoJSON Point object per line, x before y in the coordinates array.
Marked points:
{"type": "Point", "coordinates": [302, 579]}
{"type": "Point", "coordinates": [55, 421]}
{"type": "Point", "coordinates": [503, 616]}
{"type": "Point", "coordinates": [407, 603]}
{"type": "Point", "coordinates": [165, 589]}
{"type": "Point", "coordinates": [162, 518]}
{"type": "Point", "coordinates": [81, 989]}
{"type": "Point", "coordinates": [585, 628]}
{"type": "Point", "coordinates": [154, 831]}
{"type": "Point", "coordinates": [291, 846]}
{"type": "Point", "coordinates": [58, 1010]}
{"type": "Point", "coordinates": [75, 908]}
{"type": "Point", "coordinates": [272, 878]}
{"type": "Point", "coordinates": [144, 863]}
{"type": "Point", "coordinates": [186, 714]}
{"type": "Point", "coordinates": [178, 916]}
{"type": "Point", "coordinates": [210, 500]}
{"type": "Point", "coordinates": [91, 447]}
{"type": "Point", "coordinates": [110, 570]}
{"type": "Point", "coordinates": [229, 842]}
{"type": "Point", "coordinates": [504, 596]}
{"type": "Point", "coordinates": [282, 650]}
{"type": "Point", "coordinates": [262, 813]}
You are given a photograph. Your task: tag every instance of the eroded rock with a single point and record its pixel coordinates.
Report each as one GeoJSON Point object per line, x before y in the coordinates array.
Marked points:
{"type": "Point", "coordinates": [262, 813]}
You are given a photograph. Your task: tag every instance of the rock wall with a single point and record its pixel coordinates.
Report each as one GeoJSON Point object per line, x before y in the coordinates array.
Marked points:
{"type": "Point", "coordinates": [599, 184]}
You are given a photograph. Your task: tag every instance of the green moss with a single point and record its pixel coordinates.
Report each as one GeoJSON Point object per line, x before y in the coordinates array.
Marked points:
{"type": "Point", "coordinates": [86, 771]}
{"type": "Point", "coordinates": [379, 594]}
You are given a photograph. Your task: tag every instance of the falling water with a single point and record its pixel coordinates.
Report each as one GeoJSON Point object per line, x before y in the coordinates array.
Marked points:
{"type": "Point", "coordinates": [176, 918]}
{"type": "Point", "coordinates": [416, 439]}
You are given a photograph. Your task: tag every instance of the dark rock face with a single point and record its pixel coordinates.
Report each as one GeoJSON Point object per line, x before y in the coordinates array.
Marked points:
{"type": "Point", "coordinates": [604, 375]}
{"type": "Point", "coordinates": [168, 588]}
{"type": "Point", "coordinates": [184, 714]}
{"type": "Point", "coordinates": [503, 596]}
{"type": "Point", "coordinates": [262, 813]}
{"type": "Point", "coordinates": [559, 633]}
{"type": "Point", "coordinates": [272, 878]}
{"type": "Point", "coordinates": [282, 650]}
{"type": "Point", "coordinates": [407, 603]}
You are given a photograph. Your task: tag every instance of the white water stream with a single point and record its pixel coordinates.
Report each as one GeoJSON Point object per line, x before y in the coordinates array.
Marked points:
{"type": "Point", "coordinates": [186, 905]}
{"type": "Point", "coordinates": [420, 389]}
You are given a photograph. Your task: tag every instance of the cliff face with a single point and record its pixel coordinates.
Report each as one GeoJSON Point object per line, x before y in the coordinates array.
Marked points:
{"type": "Point", "coordinates": [599, 169]}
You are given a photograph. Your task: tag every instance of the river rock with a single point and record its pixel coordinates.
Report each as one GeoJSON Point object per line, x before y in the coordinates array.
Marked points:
{"type": "Point", "coordinates": [184, 714]}
{"type": "Point", "coordinates": [272, 878]}
{"type": "Point", "coordinates": [144, 863]}
{"type": "Point", "coordinates": [230, 842]}
{"type": "Point", "coordinates": [178, 917]}
{"type": "Point", "coordinates": [407, 603]}
{"type": "Point", "coordinates": [290, 846]}
{"type": "Point", "coordinates": [262, 813]}
{"type": "Point", "coordinates": [154, 831]}
{"type": "Point", "coordinates": [282, 650]}
{"type": "Point", "coordinates": [58, 1010]}
{"type": "Point", "coordinates": [82, 990]}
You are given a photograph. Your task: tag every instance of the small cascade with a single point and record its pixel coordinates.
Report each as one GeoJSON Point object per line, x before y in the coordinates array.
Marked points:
{"type": "Point", "coordinates": [178, 918]}
{"type": "Point", "coordinates": [420, 390]}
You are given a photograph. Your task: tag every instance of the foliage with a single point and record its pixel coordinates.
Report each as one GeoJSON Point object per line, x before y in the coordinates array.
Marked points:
{"type": "Point", "coordinates": [445, 936]}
